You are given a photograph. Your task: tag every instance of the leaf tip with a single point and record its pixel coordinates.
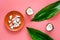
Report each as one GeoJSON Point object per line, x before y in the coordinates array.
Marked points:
{"type": "Point", "coordinates": [32, 19]}
{"type": "Point", "coordinates": [27, 27]}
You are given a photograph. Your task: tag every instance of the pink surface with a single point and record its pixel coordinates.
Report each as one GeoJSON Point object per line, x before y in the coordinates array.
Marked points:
{"type": "Point", "coordinates": [21, 5]}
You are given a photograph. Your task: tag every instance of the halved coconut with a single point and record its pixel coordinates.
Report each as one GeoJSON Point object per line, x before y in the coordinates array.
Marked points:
{"type": "Point", "coordinates": [49, 27]}
{"type": "Point", "coordinates": [29, 11]}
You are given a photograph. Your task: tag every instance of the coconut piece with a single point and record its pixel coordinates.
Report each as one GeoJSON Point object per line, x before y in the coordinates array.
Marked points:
{"type": "Point", "coordinates": [16, 25]}
{"type": "Point", "coordinates": [17, 16]}
{"type": "Point", "coordinates": [17, 19]}
{"type": "Point", "coordinates": [19, 22]}
{"type": "Point", "coordinates": [11, 27]}
{"type": "Point", "coordinates": [9, 21]}
{"type": "Point", "coordinates": [29, 11]}
{"type": "Point", "coordinates": [49, 27]}
{"type": "Point", "coordinates": [10, 24]}
{"type": "Point", "coordinates": [14, 20]}
{"type": "Point", "coordinates": [10, 16]}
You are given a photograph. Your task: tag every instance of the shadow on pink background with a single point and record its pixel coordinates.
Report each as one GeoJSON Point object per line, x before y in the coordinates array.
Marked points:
{"type": "Point", "coordinates": [21, 5]}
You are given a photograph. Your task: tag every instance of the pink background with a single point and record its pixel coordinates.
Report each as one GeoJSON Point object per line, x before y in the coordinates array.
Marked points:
{"type": "Point", "coordinates": [21, 5]}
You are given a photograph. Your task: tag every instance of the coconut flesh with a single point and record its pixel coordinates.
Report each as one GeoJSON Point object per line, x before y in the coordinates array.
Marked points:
{"type": "Point", "coordinates": [15, 22]}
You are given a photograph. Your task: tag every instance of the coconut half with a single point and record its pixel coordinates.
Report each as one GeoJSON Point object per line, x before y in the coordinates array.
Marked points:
{"type": "Point", "coordinates": [29, 11]}
{"type": "Point", "coordinates": [49, 27]}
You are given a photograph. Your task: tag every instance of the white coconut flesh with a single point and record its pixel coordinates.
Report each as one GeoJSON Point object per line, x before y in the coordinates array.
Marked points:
{"type": "Point", "coordinates": [15, 22]}
{"type": "Point", "coordinates": [49, 27]}
{"type": "Point", "coordinates": [9, 21]}
{"type": "Point", "coordinates": [29, 11]}
{"type": "Point", "coordinates": [10, 16]}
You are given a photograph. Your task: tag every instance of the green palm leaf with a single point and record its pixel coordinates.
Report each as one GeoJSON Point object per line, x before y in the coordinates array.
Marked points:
{"type": "Point", "coordinates": [38, 35]}
{"type": "Point", "coordinates": [47, 12]}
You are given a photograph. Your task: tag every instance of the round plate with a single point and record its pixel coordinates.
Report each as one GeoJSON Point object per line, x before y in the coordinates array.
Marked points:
{"type": "Point", "coordinates": [14, 13]}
